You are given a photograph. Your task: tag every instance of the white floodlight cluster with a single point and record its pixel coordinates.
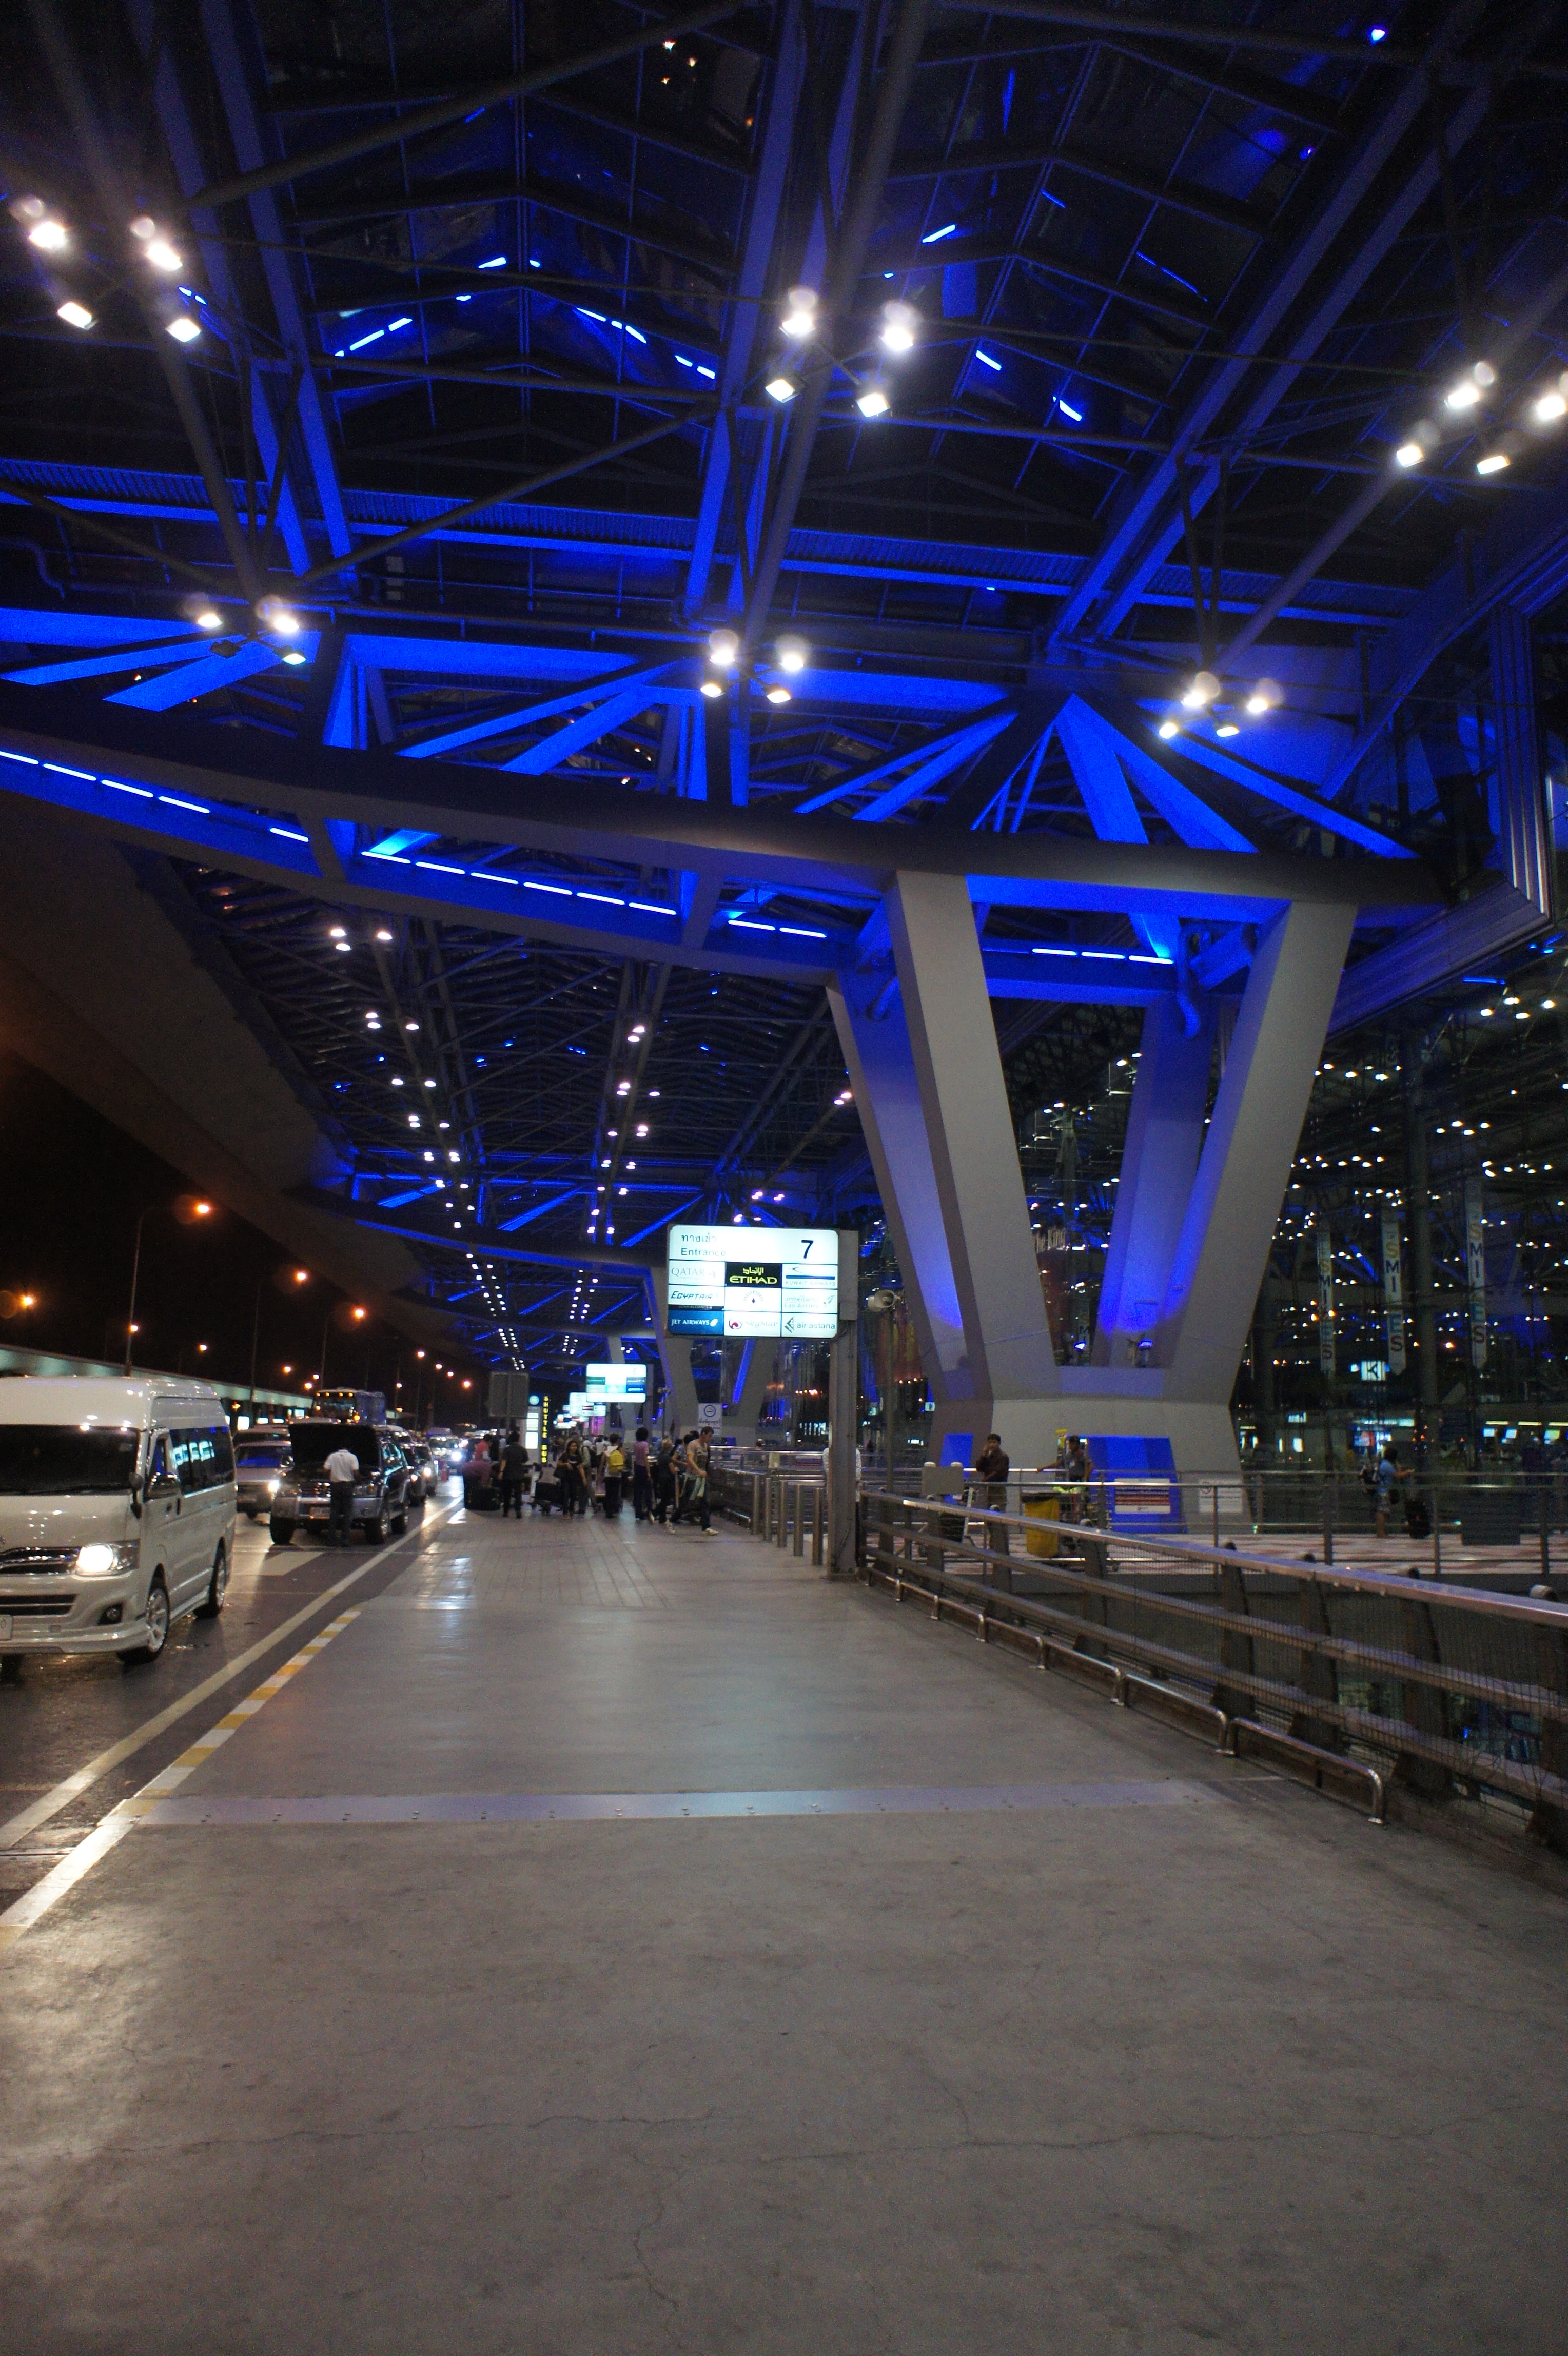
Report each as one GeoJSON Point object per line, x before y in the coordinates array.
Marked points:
{"type": "Point", "coordinates": [791, 655]}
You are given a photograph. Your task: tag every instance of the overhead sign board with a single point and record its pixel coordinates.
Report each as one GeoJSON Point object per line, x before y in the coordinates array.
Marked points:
{"type": "Point", "coordinates": [616, 1380]}
{"type": "Point", "coordinates": [767, 1284]}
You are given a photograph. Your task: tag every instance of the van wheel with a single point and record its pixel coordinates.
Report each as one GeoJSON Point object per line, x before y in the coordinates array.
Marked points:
{"type": "Point", "coordinates": [157, 1617]}
{"type": "Point", "coordinates": [400, 1524]}
{"type": "Point", "coordinates": [379, 1530]}
{"type": "Point", "coordinates": [216, 1588]}
{"type": "Point", "coordinates": [280, 1532]}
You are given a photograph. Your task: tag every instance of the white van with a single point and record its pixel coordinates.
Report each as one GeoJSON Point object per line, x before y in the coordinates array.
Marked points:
{"type": "Point", "coordinates": [116, 1511]}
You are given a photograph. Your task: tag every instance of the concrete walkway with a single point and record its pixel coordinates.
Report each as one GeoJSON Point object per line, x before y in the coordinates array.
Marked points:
{"type": "Point", "coordinates": [616, 1940]}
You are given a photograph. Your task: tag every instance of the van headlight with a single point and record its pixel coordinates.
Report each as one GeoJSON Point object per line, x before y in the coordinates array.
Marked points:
{"type": "Point", "coordinates": [272, 1488]}
{"type": "Point", "coordinates": [101, 1562]}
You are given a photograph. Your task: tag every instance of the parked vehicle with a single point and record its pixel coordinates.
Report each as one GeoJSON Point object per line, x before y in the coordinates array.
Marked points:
{"type": "Point", "coordinates": [117, 1501]}
{"type": "Point", "coordinates": [381, 1494]}
{"type": "Point", "coordinates": [260, 1462]}
{"type": "Point", "coordinates": [352, 1407]}
{"type": "Point", "coordinates": [422, 1465]}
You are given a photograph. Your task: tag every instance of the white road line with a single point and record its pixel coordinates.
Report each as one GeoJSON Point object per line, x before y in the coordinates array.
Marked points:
{"type": "Point", "coordinates": [19, 1919]}
{"type": "Point", "coordinates": [50, 1802]}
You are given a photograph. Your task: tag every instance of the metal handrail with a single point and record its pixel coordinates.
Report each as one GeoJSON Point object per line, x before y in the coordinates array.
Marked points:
{"type": "Point", "coordinates": [1506, 1654]}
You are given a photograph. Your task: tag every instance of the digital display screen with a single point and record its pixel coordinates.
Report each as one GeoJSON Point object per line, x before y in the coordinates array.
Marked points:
{"type": "Point", "coordinates": [616, 1381]}
{"type": "Point", "coordinates": [768, 1284]}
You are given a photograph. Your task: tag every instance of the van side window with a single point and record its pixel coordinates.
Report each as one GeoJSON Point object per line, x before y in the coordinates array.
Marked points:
{"type": "Point", "coordinates": [195, 1460]}
{"type": "Point", "coordinates": [222, 1455]}
{"type": "Point", "coordinates": [158, 1462]}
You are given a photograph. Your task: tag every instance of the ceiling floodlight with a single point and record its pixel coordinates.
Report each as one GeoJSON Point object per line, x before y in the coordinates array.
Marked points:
{"type": "Point", "coordinates": [792, 654]}
{"type": "Point", "coordinates": [1169, 728]}
{"type": "Point", "coordinates": [161, 256]}
{"type": "Point", "coordinates": [712, 688]}
{"type": "Point", "coordinates": [1467, 392]}
{"type": "Point", "coordinates": [1549, 408]}
{"type": "Point", "coordinates": [48, 235]}
{"type": "Point", "coordinates": [800, 313]}
{"type": "Point", "coordinates": [277, 615]}
{"type": "Point", "coordinates": [1204, 690]}
{"type": "Point", "coordinates": [899, 321]}
{"type": "Point", "coordinates": [1227, 728]}
{"type": "Point", "coordinates": [1409, 454]}
{"type": "Point", "coordinates": [75, 315]}
{"type": "Point", "coordinates": [723, 647]}
{"type": "Point", "coordinates": [781, 387]}
{"type": "Point", "coordinates": [873, 402]}
{"type": "Point", "coordinates": [208, 619]}
{"type": "Point", "coordinates": [294, 658]}
{"type": "Point", "coordinates": [779, 695]}
{"type": "Point", "coordinates": [1493, 463]}
{"type": "Point", "coordinates": [183, 328]}
{"type": "Point", "coordinates": [1263, 698]}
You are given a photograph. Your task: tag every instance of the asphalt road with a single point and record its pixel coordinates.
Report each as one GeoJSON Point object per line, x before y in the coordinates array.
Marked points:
{"type": "Point", "coordinates": [58, 1719]}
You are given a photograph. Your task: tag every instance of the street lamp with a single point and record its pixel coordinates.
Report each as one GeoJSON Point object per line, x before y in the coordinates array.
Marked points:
{"type": "Point", "coordinates": [189, 1209]}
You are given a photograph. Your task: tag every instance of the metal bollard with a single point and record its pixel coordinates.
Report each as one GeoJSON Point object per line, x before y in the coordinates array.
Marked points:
{"type": "Point", "coordinates": [799, 1546]}
{"type": "Point", "coordinates": [780, 1523]}
{"type": "Point", "coordinates": [817, 1524]}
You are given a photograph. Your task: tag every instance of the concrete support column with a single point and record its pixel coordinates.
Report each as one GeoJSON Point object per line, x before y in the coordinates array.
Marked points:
{"type": "Point", "coordinates": [844, 1411]}
{"type": "Point", "coordinates": [1245, 1165]}
{"type": "Point", "coordinates": [674, 1358]}
{"type": "Point", "coordinates": [1418, 1233]}
{"type": "Point", "coordinates": [1159, 1163]}
{"type": "Point", "coordinates": [752, 1377]}
{"type": "Point", "coordinates": [921, 1049]}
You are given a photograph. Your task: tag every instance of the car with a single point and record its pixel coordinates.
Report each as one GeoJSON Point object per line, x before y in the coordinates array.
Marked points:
{"type": "Point", "coordinates": [422, 1461]}
{"type": "Point", "coordinates": [260, 1461]}
{"type": "Point", "coordinates": [117, 1505]}
{"type": "Point", "coordinates": [381, 1494]}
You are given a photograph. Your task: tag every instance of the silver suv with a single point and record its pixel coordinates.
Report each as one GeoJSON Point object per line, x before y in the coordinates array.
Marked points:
{"type": "Point", "coordinates": [381, 1494]}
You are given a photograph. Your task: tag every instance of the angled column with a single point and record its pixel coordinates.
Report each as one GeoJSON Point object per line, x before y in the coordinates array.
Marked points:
{"type": "Point", "coordinates": [1159, 1163]}
{"type": "Point", "coordinates": [921, 1048]}
{"type": "Point", "coordinates": [749, 1389]}
{"type": "Point", "coordinates": [674, 1357]}
{"type": "Point", "coordinates": [1245, 1165]}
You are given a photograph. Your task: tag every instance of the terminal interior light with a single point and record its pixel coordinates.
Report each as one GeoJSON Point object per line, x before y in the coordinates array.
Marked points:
{"type": "Point", "coordinates": [75, 315]}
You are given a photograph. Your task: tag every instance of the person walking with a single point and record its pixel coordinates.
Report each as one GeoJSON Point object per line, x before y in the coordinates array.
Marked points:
{"type": "Point", "coordinates": [1389, 1478]}
{"type": "Point", "coordinates": [615, 1474]}
{"type": "Point", "coordinates": [342, 1469]}
{"type": "Point", "coordinates": [514, 1477]}
{"type": "Point", "coordinates": [641, 1476]}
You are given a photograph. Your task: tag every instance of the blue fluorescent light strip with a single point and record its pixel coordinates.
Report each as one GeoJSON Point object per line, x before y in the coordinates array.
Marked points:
{"type": "Point", "coordinates": [374, 338]}
{"type": "Point", "coordinates": [496, 261]}
{"type": "Point", "coordinates": [937, 235]}
{"type": "Point", "coordinates": [288, 835]}
{"type": "Point", "coordinates": [986, 362]}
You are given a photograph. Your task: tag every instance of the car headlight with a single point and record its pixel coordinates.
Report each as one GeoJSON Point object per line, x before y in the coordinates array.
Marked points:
{"type": "Point", "coordinates": [101, 1562]}
{"type": "Point", "coordinates": [273, 1488]}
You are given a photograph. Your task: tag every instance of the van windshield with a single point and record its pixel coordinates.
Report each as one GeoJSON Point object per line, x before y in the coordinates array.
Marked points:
{"type": "Point", "coordinates": [54, 1460]}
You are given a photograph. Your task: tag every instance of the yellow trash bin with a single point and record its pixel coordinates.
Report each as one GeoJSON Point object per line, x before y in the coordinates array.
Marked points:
{"type": "Point", "coordinates": [1042, 1508]}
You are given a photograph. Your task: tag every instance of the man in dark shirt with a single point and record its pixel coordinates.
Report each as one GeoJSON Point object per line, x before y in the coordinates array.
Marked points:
{"type": "Point", "coordinates": [514, 1476]}
{"type": "Point", "coordinates": [992, 1467]}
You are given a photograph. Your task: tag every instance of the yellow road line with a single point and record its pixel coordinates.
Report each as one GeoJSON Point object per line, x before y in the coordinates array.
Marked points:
{"type": "Point", "coordinates": [35, 1903]}
{"type": "Point", "coordinates": [61, 1795]}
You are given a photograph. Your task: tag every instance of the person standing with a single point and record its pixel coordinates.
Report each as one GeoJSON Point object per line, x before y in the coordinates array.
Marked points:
{"type": "Point", "coordinates": [514, 1477]}
{"type": "Point", "coordinates": [696, 1488]}
{"type": "Point", "coordinates": [641, 1478]}
{"type": "Point", "coordinates": [342, 1469]}
{"type": "Point", "coordinates": [666, 1496]}
{"type": "Point", "coordinates": [615, 1474]}
{"type": "Point", "coordinates": [1389, 1481]}
{"type": "Point", "coordinates": [677, 1475]}
{"type": "Point", "coordinates": [992, 1467]}
{"type": "Point", "coordinates": [574, 1481]}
